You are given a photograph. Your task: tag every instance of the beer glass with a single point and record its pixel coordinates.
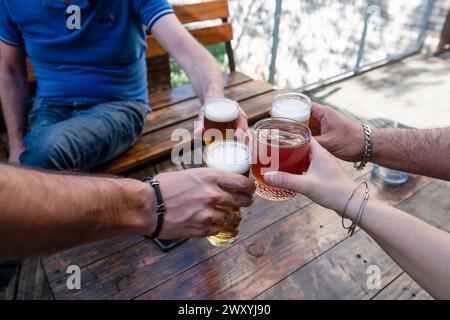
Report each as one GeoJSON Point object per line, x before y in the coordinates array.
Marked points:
{"type": "Point", "coordinates": [220, 115]}
{"type": "Point", "coordinates": [295, 106]}
{"type": "Point", "coordinates": [234, 157]}
{"type": "Point", "coordinates": [278, 144]}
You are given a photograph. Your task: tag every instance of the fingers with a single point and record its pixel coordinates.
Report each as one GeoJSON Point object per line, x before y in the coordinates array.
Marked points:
{"type": "Point", "coordinates": [242, 127]}
{"type": "Point", "coordinates": [198, 132]}
{"type": "Point", "coordinates": [288, 181]}
{"type": "Point", "coordinates": [235, 199]}
{"type": "Point", "coordinates": [235, 182]}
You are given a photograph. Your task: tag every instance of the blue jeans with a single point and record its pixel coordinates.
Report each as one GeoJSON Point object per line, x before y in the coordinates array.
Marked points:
{"type": "Point", "coordinates": [80, 137]}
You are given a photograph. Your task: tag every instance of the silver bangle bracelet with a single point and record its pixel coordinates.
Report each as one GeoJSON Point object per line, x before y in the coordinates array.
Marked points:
{"type": "Point", "coordinates": [352, 227]}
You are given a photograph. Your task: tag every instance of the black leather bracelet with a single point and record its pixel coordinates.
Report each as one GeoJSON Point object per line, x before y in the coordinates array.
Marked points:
{"type": "Point", "coordinates": [160, 207]}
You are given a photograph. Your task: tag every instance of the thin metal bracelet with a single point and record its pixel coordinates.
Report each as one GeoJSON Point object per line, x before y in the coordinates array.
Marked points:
{"type": "Point", "coordinates": [368, 139]}
{"type": "Point", "coordinates": [352, 227]}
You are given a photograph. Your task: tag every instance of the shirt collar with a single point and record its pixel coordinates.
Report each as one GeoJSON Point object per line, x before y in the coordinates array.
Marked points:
{"type": "Point", "coordinates": [83, 4]}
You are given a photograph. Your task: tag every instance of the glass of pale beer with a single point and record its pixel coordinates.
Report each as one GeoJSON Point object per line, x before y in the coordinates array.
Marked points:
{"type": "Point", "coordinates": [292, 105]}
{"type": "Point", "coordinates": [234, 157]}
{"type": "Point", "coordinates": [220, 115]}
{"type": "Point", "coordinates": [279, 144]}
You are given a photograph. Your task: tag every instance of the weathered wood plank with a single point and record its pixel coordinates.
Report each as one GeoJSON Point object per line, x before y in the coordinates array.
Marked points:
{"type": "Point", "coordinates": [32, 282]}
{"type": "Point", "coordinates": [95, 252]}
{"type": "Point", "coordinates": [287, 245]}
{"type": "Point", "coordinates": [340, 273]}
{"type": "Point", "coordinates": [189, 109]}
{"type": "Point", "coordinates": [9, 292]}
{"type": "Point", "coordinates": [164, 98]}
{"type": "Point", "coordinates": [179, 259]}
{"type": "Point", "coordinates": [143, 266]}
{"type": "Point", "coordinates": [202, 11]}
{"type": "Point", "coordinates": [403, 288]}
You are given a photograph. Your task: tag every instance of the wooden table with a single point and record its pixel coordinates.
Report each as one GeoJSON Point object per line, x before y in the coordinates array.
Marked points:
{"type": "Point", "coordinates": [289, 250]}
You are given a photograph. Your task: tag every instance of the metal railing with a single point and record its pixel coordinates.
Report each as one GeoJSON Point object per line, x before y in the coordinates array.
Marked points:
{"type": "Point", "coordinates": [371, 9]}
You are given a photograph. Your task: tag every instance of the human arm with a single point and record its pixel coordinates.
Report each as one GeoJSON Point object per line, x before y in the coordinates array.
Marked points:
{"type": "Point", "coordinates": [14, 92]}
{"type": "Point", "coordinates": [421, 151]}
{"type": "Point", "coordinates": [422, 250]}
{"type": "Point", "coordinates": [200, 66]}
{"type": "Point", "coordinates": [44, 212]}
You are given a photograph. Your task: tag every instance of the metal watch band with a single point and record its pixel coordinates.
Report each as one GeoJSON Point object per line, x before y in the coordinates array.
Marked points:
{"type": "Point", "coordinates": [367, 149]}
{"type": "Point", "coordinates": [160, 207]}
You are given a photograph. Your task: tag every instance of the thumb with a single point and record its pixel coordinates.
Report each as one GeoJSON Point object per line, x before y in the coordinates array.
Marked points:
{"type": "Point", "coordinates": [287, 181]}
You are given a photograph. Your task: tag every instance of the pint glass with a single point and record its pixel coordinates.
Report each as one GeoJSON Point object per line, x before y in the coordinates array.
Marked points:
{"type": "Point", "coordinates": [220, 115]}
{"type": "Point", "coordinates": [278, 144]}
{"type": "Point", "coordinates": [294, 106]}
{"type": "Point", "coordinates": [234, 157]}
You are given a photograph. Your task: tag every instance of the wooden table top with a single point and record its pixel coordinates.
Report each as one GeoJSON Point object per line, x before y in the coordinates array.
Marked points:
{"type": "Point", "coordinates": [289, 250]}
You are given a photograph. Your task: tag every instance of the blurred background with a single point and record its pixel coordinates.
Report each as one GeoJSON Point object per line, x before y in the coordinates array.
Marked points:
{"type": "Point", "coordinates": [306, 43]}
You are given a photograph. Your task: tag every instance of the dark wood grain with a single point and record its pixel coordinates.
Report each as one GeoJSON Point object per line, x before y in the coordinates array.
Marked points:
{"type": "Point", "coordinates": [33, 283]}
{"type": "Point", "coordinates": [340, 273]}
{"type": "Point", "coordinates": [155, 267]}
{"type": "Point", "coordinates": [164, 98]}
{"type": "Point", "coordinates": [403, 288]}
{"type": "Point", "coordinates": [287, 244]}
{"type": "Point", "coordinates": [189, 109]}
{"type": "Point", "coordinates": [337, 274]}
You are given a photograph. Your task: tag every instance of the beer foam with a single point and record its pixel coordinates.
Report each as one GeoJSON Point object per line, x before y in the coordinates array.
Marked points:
{"type": "Point", "coordinates": [292, 109]}
{"type": "Point", "coordinates": [221, 110]}
{"type": "Point", "coordinates": [229, 156]}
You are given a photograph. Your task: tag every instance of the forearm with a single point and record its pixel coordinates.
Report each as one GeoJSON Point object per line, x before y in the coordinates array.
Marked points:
{"type": "Point", "coordinates": [42, 213]}
{"type": "Point", "coordinates": [422, 250]}
{"type": "Point", "coordinates": [425, 152]}
{"type": "Point", "coordinates": [14, 93]}
{"type": "Point", "coordinates": [203, 71]}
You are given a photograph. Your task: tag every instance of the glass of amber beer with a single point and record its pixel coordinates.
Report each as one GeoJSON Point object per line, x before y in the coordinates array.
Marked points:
{"type": "Point", "coordinates": [278, 144]}
{"type": "Point", "coordinates": [234, 157]}
{"type": "Point", "coordinates": [291, 105]}
{"type": "Point", "coordinates": [220, 115]}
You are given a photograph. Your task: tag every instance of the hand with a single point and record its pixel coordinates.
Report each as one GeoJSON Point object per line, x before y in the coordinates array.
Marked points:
{"type": "Point", "coordinates": [241, 130]}
{"type": "Point", "coordinates": [336, 133]}
{"type": "Point", "coordinates": [190, 197]}
{"type": "Point", "coordinates": [325, 182]}
{"type": "Point", "coordinates": [14, 154]}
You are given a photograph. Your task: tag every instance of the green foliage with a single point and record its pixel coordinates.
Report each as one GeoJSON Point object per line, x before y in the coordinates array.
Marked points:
{"type": "Point", "coordinates": [177, 75]}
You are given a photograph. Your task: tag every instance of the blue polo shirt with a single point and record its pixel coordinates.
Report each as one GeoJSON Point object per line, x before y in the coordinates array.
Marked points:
{"type": "Point", "coordinates": [102, 61]}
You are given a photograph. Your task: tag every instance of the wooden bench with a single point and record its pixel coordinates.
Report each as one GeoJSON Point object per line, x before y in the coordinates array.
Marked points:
{"type": "Point", "coordinates": [176, 108]}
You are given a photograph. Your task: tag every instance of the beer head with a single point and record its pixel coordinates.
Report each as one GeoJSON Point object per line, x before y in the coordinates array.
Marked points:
{"type": "Point", "coordinates": [228, 156]}
{"type": "Point", "coordinates": [295, 106]}
{"type": "Point", "coordinates": [221, 110]}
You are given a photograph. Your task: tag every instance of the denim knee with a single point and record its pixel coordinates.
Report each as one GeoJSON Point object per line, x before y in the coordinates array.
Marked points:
{"type": "Point", "coordinates": [48, 152]}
